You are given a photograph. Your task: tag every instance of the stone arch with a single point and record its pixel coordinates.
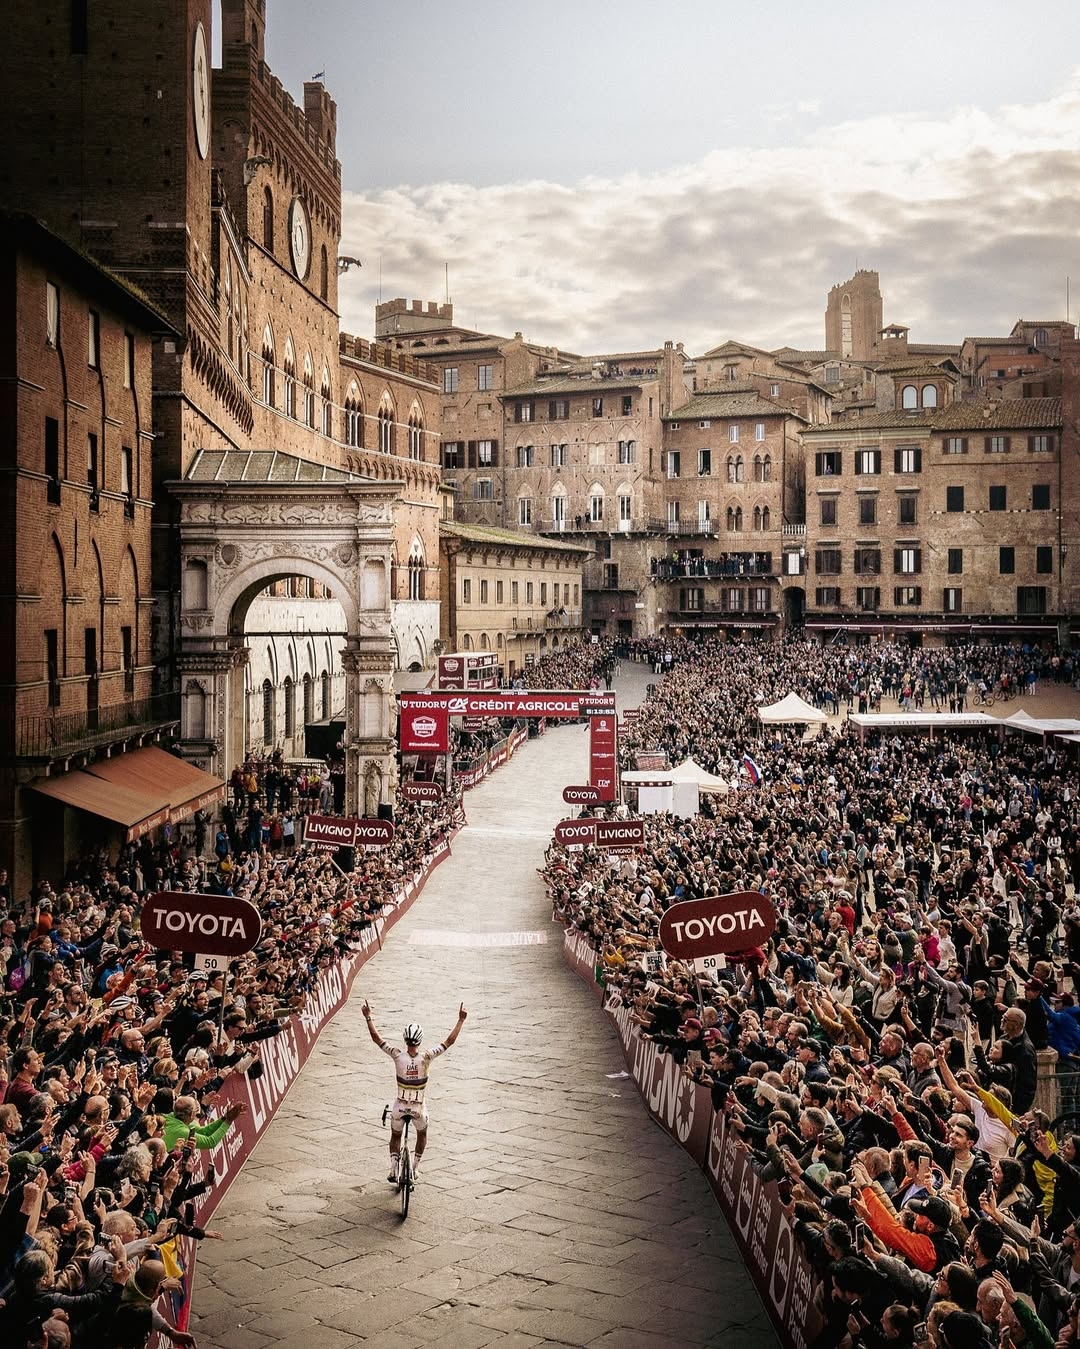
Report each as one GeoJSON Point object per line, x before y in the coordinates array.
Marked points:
{"type": "Point", "coordinates": [235, 598]}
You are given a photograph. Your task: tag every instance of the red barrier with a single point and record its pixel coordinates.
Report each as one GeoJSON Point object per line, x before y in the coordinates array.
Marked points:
{"type": "Point", "coordinates": [781, 1273]}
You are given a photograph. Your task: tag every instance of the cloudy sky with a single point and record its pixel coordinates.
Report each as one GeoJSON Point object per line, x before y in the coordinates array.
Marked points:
{"type": "Point", "coordinates": [608, 174]}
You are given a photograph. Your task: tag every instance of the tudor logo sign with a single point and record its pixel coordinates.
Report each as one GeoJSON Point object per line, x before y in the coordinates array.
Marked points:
{"type": "Point", "coordinates": [719, 925]}
{"type": "Point", "coordinates": [580, 796]}
{"type": "Point", "coordinates": [212, 925]}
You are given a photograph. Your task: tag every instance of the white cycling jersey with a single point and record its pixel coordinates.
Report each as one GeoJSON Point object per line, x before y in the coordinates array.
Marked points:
{"type": "Point", "coordinates": [411, 1070]}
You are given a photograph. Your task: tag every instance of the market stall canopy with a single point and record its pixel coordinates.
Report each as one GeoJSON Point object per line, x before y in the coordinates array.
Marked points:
{"type": "Point", "coordinates": [791, 709]}
{"type": "Point", "coordinates": [1024, 721]}
{"type": "Point", "coordinates": [921, 721]}
{"type": "Point", "coordinates": [692, 771]}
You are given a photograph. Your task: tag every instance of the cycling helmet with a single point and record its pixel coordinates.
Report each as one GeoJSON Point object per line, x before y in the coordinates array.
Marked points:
{"type": "Point", "coordinates": [412, 1034]}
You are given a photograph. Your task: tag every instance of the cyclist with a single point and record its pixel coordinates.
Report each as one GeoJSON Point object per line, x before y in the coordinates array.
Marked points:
{"type": "Point", "coordinates": [411, 1070]}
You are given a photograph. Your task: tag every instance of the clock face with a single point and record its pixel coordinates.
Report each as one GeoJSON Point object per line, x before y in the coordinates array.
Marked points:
{"type": "Point", "coordinates": [299, 237]}
{"type": "Point", "coordinates": [200, 92]}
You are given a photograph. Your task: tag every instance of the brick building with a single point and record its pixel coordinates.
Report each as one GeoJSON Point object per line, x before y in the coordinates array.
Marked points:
{"type": "Point", "coordinates": [75, 653]}
{"type": "Point", "coordinates": [219, 196]}
{"type": "Point", "coordinates": [938, 521]}
{"type": "Point", "coordinates": [732, 479]}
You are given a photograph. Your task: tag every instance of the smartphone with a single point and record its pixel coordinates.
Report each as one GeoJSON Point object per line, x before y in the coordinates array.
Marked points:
{"type": "Point", "coordinates": [693, 1058]}
{"type": "Point", "coordinates": [921, 1333]}
{"type": "Point", "coordinates": [957, 1178]}
{"type": "Point", "coordinates": [860, 1236]}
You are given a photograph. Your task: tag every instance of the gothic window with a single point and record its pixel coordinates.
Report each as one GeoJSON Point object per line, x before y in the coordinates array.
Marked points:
{"type": "Point", "coordinates": [290, 379]}
{"type": "Point", "coordinates": [268, 220]}
{"type": "Point", "coordinates": [354, 418]}
{"type": "Point", "coordinates": [325, 394]}
{"type": "Point", "coordinates": [268, 366]}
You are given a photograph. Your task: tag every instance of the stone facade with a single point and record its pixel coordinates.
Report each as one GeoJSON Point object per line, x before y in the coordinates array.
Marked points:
{"type": "Point", "coordinates": [853, 321]}
{"type": "Point", "coordinates": [508, 592]}
{"type": "Point", "coordinates": [946, 521]}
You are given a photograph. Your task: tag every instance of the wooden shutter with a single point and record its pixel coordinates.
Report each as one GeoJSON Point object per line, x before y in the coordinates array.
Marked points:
{"type": "Point", "coordinates": [552, 411]}
{"type": "Point", "coordinates": [494, 453]}
{"type": "Point", "coordinates": [472, 453]}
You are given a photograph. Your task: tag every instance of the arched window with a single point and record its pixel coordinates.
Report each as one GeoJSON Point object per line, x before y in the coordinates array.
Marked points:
{"type": "Point", "coordinates": [738, 519]}
{"type": "Point", "coordinates": [268, 220]}
{"type": "Point", "coordinates": [386, 429]}
{"type": "Point", "coordinates": [730, 518]}
{"type": "Point", "coordinates": [309, 391]}
{"type": "Point", "coordinates": [290, 379]}
{"type": "Point", "coordinates": [416, 434]}
{"type": "Point", "coordinates": [929, 396]}
{"type": "Point", "coordinates": [740, 468]}
{"type": "Point", "coordinates": [596, 503]}
{"type": "Point", "coordinates": [910, 396]}
{"type": "Point", "coordinates": [757, 517]}
{"type": "Point", "coordinates": [309, 699]}
{"type": "Point", "coordinates": [290, 707]}
{"type": "Point", "coordinates": [416, 576]}
{"type": "Point", "coordinates": [766, 468]}
{"type": "Point", "coordinates": [757, 468]}
{"type": "Point", "coordinates": [326, 394]}
{"type": "Point", "coordinates": [230, 329]}
{"type": "Point", "coordinates": [326, 686]}
{"type": "Point", "coordinates": [324, 274]}
{"type": "Point", "coordinates": [766, 518]}
{"type": "Point", "coordinates": [268, 712]}
{"type": "Point", "coordinates": [731, 476]}
{"type": "Point", "coordinates": [268, 366]}
{"type": "Point", "coordinates": [354, 418]}
{"type": "Point", "coordinates": [1040, 337]}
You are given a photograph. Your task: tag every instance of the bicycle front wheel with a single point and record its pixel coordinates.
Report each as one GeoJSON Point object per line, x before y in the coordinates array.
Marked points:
{"type": "Point", "coordinates": [405, 1181]}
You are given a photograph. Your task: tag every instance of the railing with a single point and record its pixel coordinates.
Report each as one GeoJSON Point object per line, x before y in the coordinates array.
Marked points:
{"type": "Point", "coordinates": [712, 610]}
{"type": "Point", "coordinates": [793, 531]}
{"type": "Point", "coordinates": [67, 732]}
{"type": "Point", "coordinates": [725, 568]}
{"type": "Point", "coordinates": [580, 524]}
{"type": "Point", "coordinates": [563, 618]}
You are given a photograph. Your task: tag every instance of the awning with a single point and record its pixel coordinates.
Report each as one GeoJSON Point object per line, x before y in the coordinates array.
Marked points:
{"type": "Point", "coordinates": [154, 773]}
{"type": "Point", "coordinates": [122, 805]}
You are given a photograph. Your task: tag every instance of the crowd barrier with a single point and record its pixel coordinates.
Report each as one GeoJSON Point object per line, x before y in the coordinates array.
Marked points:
{"type": "Point", "coordinates": [469, 772]}
{"type": "Point", "coordinates": [283, 1057]}
{"type": "Point", "coordinates": [781, 1273]}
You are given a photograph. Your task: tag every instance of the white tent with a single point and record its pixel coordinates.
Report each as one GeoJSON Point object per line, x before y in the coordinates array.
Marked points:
{"type": "Point", "coordinates": [692, 771]}
{"type": "Point", "coordinates": [1024, 721]}
{"type": "Point", "coordinates": [791, 709]}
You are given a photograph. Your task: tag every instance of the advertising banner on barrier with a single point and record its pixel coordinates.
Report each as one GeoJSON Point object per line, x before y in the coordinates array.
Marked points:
{"type": "Point", "coordinates": [780, 1271]}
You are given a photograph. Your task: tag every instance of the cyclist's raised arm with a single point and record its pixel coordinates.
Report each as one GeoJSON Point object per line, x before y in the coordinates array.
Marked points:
{"type": "Point", "coordinates": [462, 1014]}
{"type": "Point", "coordinates": [370, 1024]}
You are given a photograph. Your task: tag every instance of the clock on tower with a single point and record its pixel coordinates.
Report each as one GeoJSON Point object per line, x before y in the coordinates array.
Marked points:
{"type": "Point", "coordinates": [299, 237]}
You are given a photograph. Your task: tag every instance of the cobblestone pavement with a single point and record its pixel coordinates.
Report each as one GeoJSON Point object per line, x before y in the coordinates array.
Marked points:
{"type": "Point", "coordinates": [550, 1210]}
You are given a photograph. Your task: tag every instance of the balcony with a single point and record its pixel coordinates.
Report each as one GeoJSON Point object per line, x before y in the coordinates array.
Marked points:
{"type": "Point", "coordinates": [580, 524]}
{"type": "Point", "coordinates": [682, 528]}
{"type": "Point", "coordinates": [562, 618]}
{"type": "Point", "coordinates": [793, 531]}
{"type": "Point", "coordinates": [727, 567]}
{"type": "Point", "coordinates": [62, 733]}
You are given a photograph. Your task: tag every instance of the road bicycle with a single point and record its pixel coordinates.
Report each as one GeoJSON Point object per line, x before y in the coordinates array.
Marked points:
{"type": "Point", "coordinates": [405, 1180]}
{"type": "Point", "coordinates": [981, 699]}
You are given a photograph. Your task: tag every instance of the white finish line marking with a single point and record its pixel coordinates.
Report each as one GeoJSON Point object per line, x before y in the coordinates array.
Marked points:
{"type": "Point", "coordinates": [435, 937]}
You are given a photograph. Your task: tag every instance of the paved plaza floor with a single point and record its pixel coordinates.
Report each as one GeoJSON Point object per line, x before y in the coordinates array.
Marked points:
{"type": "Point", "coordinates": [551, 1212]}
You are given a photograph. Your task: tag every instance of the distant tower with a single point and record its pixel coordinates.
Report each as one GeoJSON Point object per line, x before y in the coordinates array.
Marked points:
{"type": "Point", "coordinates": [853, 317]}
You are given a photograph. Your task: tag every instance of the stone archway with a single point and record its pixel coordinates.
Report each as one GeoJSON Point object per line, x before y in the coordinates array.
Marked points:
{"type": "Point", "coordinates": [247, 520]}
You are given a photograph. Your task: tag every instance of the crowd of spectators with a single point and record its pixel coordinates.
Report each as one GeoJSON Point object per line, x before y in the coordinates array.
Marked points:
{"type": "Point", "coordinates": [879, 1056]}
{"type": "Point", "coordinates": [113, 1055]}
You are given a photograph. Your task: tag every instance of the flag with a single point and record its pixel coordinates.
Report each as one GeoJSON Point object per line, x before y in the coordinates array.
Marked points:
{"type": "Point", "coordinates": [180, 1298]}
{"type": "Point", "coordinates": [753, 771]}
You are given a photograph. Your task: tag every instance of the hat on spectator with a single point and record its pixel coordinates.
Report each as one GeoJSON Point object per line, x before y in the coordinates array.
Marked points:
{"type": "Point", "coordinates": [934, 1208]}
{"type": "Point", "coordinates": [20, 1164]}
{"type": "Point", "coordinates": [713, 1036]}
{"type": "Point", "coordinates": [1034, 986]}
{"type": "Point", "coordinates": [691, 1023]}
{"type": "Point", "coordinates": [963, 1330]}
{"type": "Point", "coordinates": [109, 950]}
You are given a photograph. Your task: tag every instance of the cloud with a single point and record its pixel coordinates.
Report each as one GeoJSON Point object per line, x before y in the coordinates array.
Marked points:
{"type": "Point", "coordinates": [968, 219]}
